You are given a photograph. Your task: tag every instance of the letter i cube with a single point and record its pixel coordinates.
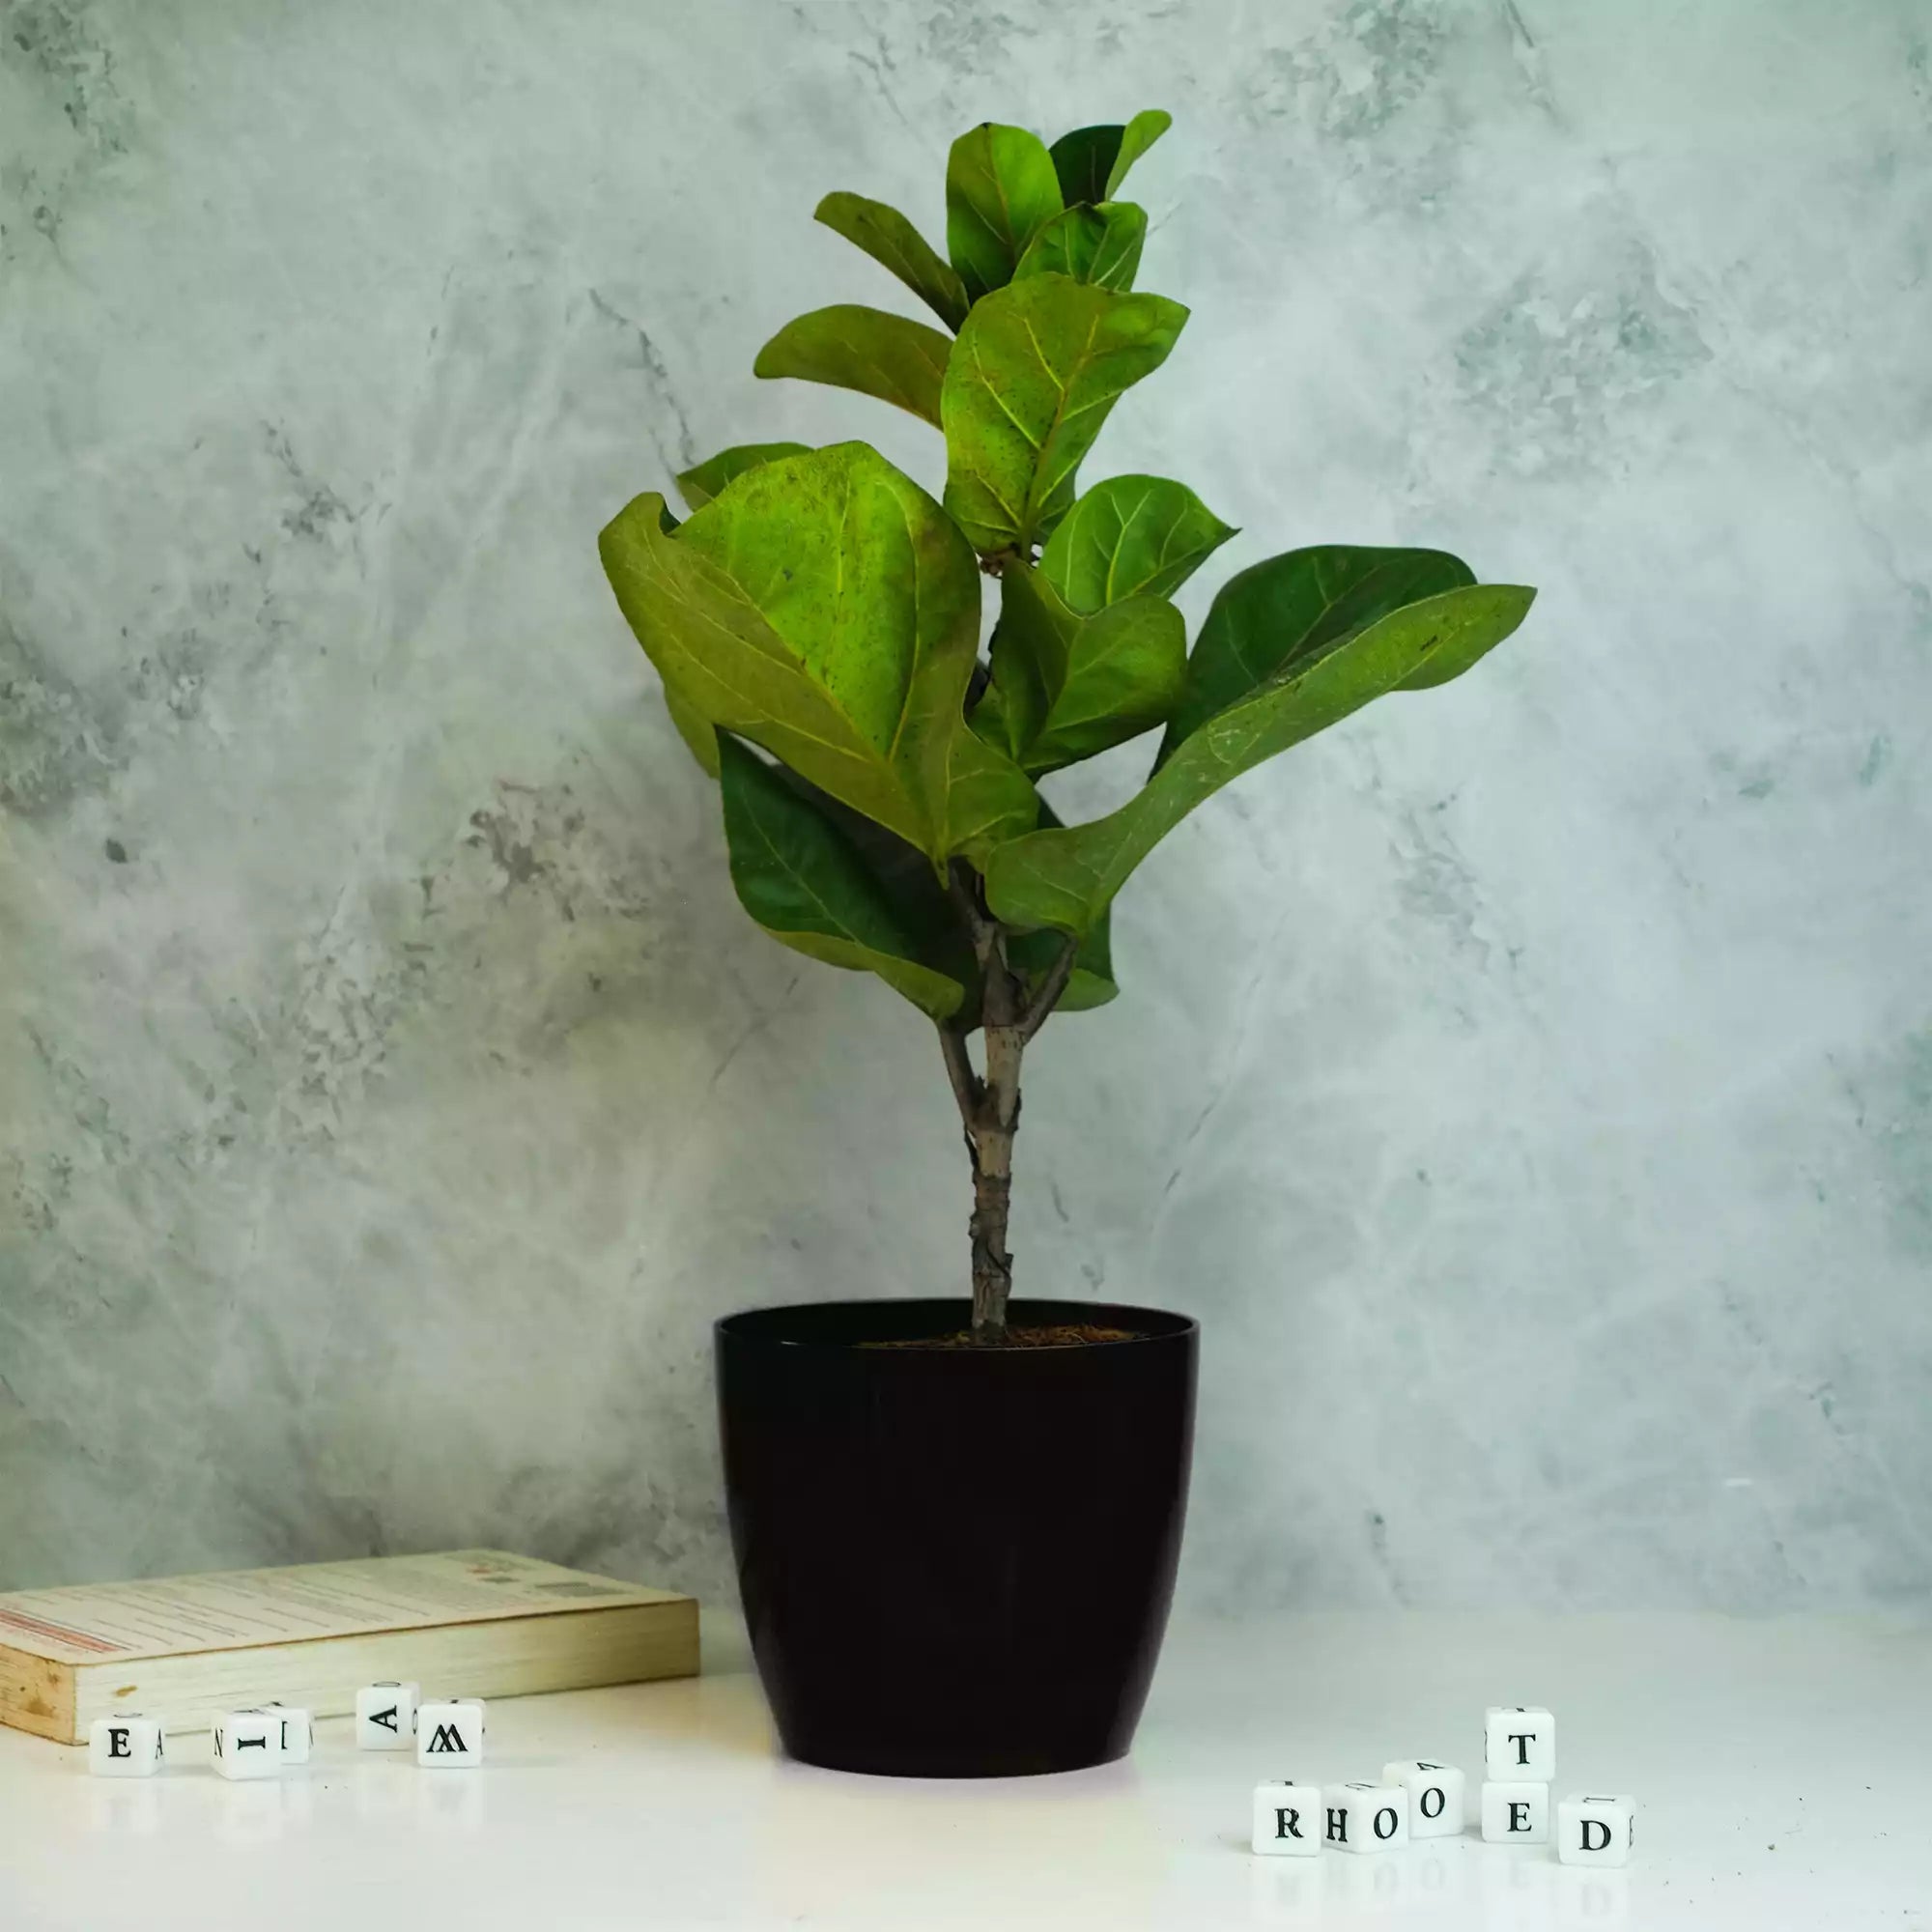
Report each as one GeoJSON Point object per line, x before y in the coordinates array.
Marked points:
{"type": "Point", "coordinates": [449, 1736]}
{"type": "Point", "coordinates": [126, 1745]}
{"type": "Point", "coordinates": [298, 1731]}
{"type": "Point", "coordinates": [385, 1715]}
{"type": "Point", "coordinates": [1288, 1818]}
{"type": "Point", "coordinates": [1518, 1744]}
{"type": "Point", "coordinates": [1435, 1795]}
{"type": "Point", "coordinates": [247, 1744]}
{"type": "Point", "coordinates": [1594, 1831]}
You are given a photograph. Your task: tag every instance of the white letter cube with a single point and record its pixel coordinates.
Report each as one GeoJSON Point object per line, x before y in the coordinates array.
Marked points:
{"type": "Point", "coordinates": [126, 1745]}
{"type": "Point", "coordinates": [247, 1744]}
{"type": "Point", "coordinates": [1515, 1812]}
{"type": "Point", "coordinates": [297, 1735]}
{"type": "Point", "coordinates": [449, 1736]}
{"type": "Point", "coordinates": [1518, 1744]}
{"type": "Point", "coordinates": [1365, 1817]}
{"type": "Point", "coordinates": [1435, 1795]}
{"type": "Point", "coordinates": [1288, 1818]}
{"type": "Point", "coordinates": [1594, 1831]}
{"type": "Point", "coordinates": [385, 1715]}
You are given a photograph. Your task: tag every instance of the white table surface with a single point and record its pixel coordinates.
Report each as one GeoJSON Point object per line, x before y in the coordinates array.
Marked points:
{"type": "Point", "coordinates": [1782, 1770]}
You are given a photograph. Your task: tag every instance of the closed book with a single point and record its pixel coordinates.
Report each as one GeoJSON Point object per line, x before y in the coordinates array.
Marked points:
{"type": "Point", "coordinates": [479, 1623]}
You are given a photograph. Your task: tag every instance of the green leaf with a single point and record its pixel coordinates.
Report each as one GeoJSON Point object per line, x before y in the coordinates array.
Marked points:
{"type": "Point", "coordinates": [1141, 134]}
{"type": "Point", "coordinates": [1100, 244]}
{"type": "Point", "coordinates": [1069, 687]}
{"type": "Point", "coordinates": [1092, 162]}
{"type": "Point", "coordinates": [1091, 982]}
{"type": "Point", "coordinates": [693, 726]}
{"type": "Point", "coordinates": [710, 477]}
{"type": "Point", "coordinates": [891, 240]}
{"type": "Point", "coordinates": [827, 608]}
{"type": "Point", "coordinates": [1128, 536]}
{"type": "Point", "coordinates": [809, 886]}
{"type": "Point", "coordinates": [1067, 878]}
{"type": "Point", "coordinates": [1001, 190]}
{"type": "Point", "coordinates": [1275, 614]}
{"type": "Point", "coordinates": [852, 346]}
{"type": "Point", "coordinates": [1032, 376]}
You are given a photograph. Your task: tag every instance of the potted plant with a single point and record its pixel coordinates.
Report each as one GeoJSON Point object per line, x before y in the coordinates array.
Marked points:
{"type": "Point", "coordinates": [956, 1529]}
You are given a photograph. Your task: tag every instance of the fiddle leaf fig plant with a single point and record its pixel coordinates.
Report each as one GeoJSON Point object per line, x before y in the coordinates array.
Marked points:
{"type": "Point", "coordinates": [815, 620]}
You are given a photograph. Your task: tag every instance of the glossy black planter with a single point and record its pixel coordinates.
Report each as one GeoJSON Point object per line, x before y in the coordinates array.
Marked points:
{"type": "Point", "coordinates": [955, 1563]}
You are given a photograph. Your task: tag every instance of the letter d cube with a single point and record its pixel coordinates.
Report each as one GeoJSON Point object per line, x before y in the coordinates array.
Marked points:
{"type": "Point", "coordinates": [1594, 1831]}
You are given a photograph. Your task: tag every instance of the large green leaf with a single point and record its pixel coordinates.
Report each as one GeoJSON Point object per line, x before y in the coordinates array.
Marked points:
{"type": "Point", "coordinates": [707, 479]}
{"type": "Point", "coordinates": [853, 347]}
{"type": "Point", "coordinates": [1032, 376]}
{"type": "Point", "coordinates": [1100, 244]}
{"type": "Point", "coordinates": [827, 608]}
{"type": "Point", "coordinates": [1001, 190]}
{"type": "Point", "coordinates": [1068, 687]}
{"type": "Point", "coordinates": [807, 886]}
{"type": "Point", "coordinates": [699, 734]}
{"type": "Point", "coordinates": [1067, 878]}
{"type": "Point", "coordinates": [1277, 612]}
{"type": "Point", "coordinates": [1092, 162]}
{"type": "Point", "coordinates": [1128, 536]}
{"type": "Point", "coordinates": [890, 239]}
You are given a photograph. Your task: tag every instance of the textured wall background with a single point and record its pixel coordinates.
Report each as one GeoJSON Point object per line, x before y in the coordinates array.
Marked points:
{"type": "Point", "coordinates": [1530, 1086]}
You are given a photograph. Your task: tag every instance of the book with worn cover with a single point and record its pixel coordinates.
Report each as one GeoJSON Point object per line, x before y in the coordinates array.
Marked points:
{"type": "Point", "coordinates": [465, 1621]}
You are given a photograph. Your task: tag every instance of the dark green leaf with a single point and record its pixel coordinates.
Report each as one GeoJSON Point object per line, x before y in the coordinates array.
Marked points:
{"type": "Point", "coordinates": [710, 477]}
{"type": "Point", "coordinates": [890, 239]}
{"type": "Point", "coordinates": [1140, 135]}
{"type": "Point", "coordinates": [1032, 376]}
{"type": "Point", "coordinates": [1275, 614]}
{"type": "Point", "coordinates": [807, 886]}
{"type": "Point", "coordinates": [1000, 192]}
{"type": "Point", "coordinates": [852, 346]}
{"type": "Point", "coordinates": [1127, 535]}
{"type": "Point", "coordinates": [1101, 245]}
{"type": "Point", "coordinates": [827, 608]}
{"type": "Point", "coordinates": [1068, 687]}
{"type": "Point", "coordinates": [1067, 878]}
{"type": "Point", "coordinates": [1084, 159]}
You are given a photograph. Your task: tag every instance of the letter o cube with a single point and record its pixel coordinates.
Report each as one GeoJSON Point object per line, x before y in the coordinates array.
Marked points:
{"type": "Point", "coordinates": [1518, 1744]}
{"type": "Point", "coordinates": [1515, 1812]}
{"type": "Point", "coordinates": [1435, 1795]}
{"type": "Point", "coordinates": [1594, 1831]}
{"type": "Point", "coordinates": [126, 1745]}
{"type": "Point", "coordinates": [1365, 1817]}
{"type": "Point", "coordinates": [449, 1736]}
{"type": "Point", "coordinates": [1288, 1818]}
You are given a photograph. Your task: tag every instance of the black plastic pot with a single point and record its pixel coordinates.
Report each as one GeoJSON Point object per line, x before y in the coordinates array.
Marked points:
{"type": "Point", "coordinates": [957, 1562]}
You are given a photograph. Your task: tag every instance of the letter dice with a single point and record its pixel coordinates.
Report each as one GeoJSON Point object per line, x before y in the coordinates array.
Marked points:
{"type": "Point", "coordinates": [385, 1715]}
{"type": "Point", "coordinates": [298, 1731]}
{"type": "Point", "coordinates": [1515, 1812]}
{"type": "Point", "coordinates": [1365, 1817]}
{"type": "Point", "coordinates": [1288, 1818]}
{"type": "Point", "coordinates": [126, 1745]}
{"type": "Point", "coordinates": [1518, 1744]}
{"type": "Point", "coordinates": [1435, 1795]}
{"type": "Point", "coordinates": [1594, 1831]}
{"type": "Point", "coordinates": [247, 1744]}
{"type": "Point", "coordinates": [449, 1736]}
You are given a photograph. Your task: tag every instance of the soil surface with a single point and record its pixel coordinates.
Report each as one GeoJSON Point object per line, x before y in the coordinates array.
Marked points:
{"type": "Point", "coordinates": [1059, 1335]}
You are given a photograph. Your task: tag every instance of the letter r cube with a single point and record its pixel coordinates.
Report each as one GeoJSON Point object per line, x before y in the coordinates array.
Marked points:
{"type": "Point", "coordinates": [1288, 1818]}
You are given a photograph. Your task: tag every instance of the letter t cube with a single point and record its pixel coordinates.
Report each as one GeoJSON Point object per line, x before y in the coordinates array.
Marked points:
{"type": "Point", "coordinates": [1518, 1744]}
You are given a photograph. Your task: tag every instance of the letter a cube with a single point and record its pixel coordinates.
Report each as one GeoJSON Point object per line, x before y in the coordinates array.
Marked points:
{"type": "Point", "coordinates": [385, 1715]}
{"type": "Point", "coordinates": [1288, 1818]}
{"type": "Point", "coordinates": [449, 1736]}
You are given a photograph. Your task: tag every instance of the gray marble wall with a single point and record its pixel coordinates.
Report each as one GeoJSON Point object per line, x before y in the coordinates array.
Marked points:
{"type": "Point", "coordinates": [1530, 1085]}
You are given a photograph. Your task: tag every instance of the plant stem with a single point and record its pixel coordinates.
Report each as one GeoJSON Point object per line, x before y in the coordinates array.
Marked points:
{"type": "Point", "coordinates": [990, 1104]}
